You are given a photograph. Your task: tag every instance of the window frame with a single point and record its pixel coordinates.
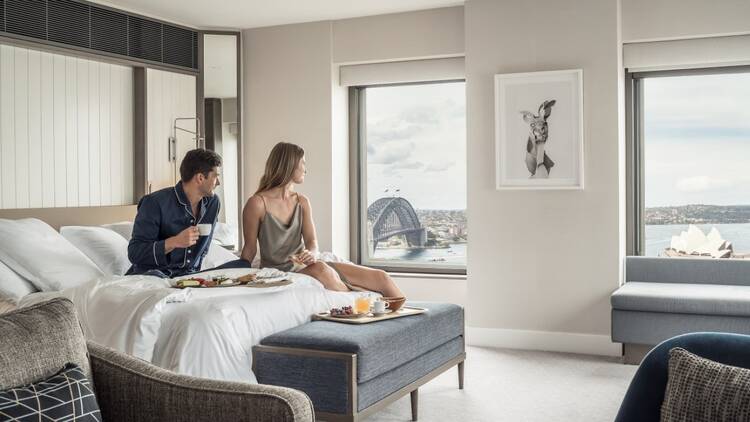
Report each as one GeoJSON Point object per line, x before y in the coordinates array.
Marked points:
{"type": "Point", "coordinates": [634, 147]}
{"type": "Point", "coordinates": [358, 192]}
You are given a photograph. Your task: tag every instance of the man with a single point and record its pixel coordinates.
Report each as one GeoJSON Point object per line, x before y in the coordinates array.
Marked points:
{"type": "Point", "coordinates": [166, 241]}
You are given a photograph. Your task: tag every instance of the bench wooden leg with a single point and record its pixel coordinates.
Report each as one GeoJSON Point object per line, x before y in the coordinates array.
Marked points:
{"type": "Point", "coordinates": [415, 405]}
{"type": "Point", "coordinates": [461, 375]}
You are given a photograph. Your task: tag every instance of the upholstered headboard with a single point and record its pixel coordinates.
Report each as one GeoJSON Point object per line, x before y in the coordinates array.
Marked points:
{"type": "Point", "coordinates": [78, 216]}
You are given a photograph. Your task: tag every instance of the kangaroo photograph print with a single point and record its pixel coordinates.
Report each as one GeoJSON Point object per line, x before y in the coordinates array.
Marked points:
{"type": "Point", "coordinates": [537, 160]}
{"type": "Point", "coordinates": [539, 130]}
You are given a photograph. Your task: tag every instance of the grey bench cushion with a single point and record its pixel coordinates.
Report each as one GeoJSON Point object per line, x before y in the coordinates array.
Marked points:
{"type": "Point", "coordinates": [703, 299]}
{"type": "Point", "coordinates": [688, 270]}
{"type": "Point", "coordinates": [380, 346]}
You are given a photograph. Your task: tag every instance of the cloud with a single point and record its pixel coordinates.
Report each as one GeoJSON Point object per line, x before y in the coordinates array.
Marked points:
{"type": "Point", "coordinates": [420, 115]}
{"type": "Point", "coordinates": [701, 184]}
{"type": "Point", "coordinates": [392, 153]}
{"type": "Point", "coordinates": [405, 165]}
{"type": "Point", "coordinates": [405, 125]}
{"type": "Point", "coordinates": [436, 167]}
{"type": "Point", "coordinates": [385, 132]}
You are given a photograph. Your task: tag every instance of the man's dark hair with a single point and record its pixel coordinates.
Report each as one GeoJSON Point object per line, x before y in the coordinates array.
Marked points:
{"type": "Point", "coordinates": [198, 161]}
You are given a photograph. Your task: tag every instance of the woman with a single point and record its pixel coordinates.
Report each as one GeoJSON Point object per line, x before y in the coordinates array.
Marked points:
{"type": "Point", "coordinates": [280, 221]}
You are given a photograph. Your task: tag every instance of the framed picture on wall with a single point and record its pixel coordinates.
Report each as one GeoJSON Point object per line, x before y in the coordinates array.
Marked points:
{"type": "Point", "coordinates": [539, 130]}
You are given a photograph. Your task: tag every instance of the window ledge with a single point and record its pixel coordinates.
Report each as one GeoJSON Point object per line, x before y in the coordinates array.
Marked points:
{"type": "Point", "coordinates": [429, 275]}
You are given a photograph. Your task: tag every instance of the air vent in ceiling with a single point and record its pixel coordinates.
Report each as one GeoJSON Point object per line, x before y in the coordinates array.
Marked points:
{"type": "Point", "coordinates": [2, 15]}
{"type": "Point", "coordinates": [68, 22]}
{"type": "Point", "coordinates": [144, 39]}
{"type": "Point", "coordinates": [81, 24]}
{"type": "Point", "coordinates": [178, 46]}
{"type": "Point", "coordinates": [109, 31]}
{"type": "Point", "coordinates": [26, 17]}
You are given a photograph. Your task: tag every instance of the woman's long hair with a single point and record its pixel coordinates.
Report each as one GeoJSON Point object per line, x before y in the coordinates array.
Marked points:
{"type": "Point", "coordinates": [280, 166]}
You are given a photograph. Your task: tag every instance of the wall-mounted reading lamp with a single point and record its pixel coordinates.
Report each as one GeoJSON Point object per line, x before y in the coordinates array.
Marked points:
{"type": "Point", "coordinates": [200, 142]}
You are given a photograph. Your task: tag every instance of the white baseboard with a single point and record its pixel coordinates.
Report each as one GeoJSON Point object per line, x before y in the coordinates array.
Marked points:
{"type": "Point", "coordinates": [549, 341]}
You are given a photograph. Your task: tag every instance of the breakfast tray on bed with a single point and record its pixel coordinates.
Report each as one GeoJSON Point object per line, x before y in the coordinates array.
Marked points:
{"type": "Point", "coordinates": [403, 312]}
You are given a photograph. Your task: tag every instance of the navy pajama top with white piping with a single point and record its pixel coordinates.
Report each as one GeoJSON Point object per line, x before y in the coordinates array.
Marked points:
{"type": "Point", "coordinates": [163, 214]}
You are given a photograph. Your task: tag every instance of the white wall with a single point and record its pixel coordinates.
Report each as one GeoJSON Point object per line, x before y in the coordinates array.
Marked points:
{"type": "Point", "coordinates": [543, 262]}
{"type": "Point", "coordinates": [646, 20]}
{"type": "Point", "coordinates": [288, 97]}
{"type": "Point", "coordinates": [399, 36]}
{"type": "Point", "coordinates": [66, 131]}
{"type": "Point", "coordinates": [169, 95]}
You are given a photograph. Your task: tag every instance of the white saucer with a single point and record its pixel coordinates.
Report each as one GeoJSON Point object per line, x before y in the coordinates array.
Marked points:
{"type": "Point", "coordinates": [387, 311]}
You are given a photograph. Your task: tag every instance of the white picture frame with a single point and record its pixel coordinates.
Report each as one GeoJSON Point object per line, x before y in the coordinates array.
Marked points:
{"type": "Point", "coordinates": [539, 130]}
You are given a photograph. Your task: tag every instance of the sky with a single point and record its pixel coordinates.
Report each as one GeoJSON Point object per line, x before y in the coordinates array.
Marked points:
{"type": "Point", "coordinates": [416, 142]}
{"type": "Point", "coordinates": [697, 140]}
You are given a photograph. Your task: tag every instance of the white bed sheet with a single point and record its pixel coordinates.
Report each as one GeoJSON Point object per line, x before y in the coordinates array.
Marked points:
{"type": "Point", "coordinates": [200, 332]}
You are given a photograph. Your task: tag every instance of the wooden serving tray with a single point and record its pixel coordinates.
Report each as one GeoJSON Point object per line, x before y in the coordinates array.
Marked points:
{"type": "Point", "coordinates": [405, 311]}
{"type": "Point", "coordinates": [257, 285]}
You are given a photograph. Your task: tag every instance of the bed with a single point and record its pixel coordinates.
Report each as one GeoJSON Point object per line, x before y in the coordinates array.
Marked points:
{"type": "Point", "coordinates": [206, 333]}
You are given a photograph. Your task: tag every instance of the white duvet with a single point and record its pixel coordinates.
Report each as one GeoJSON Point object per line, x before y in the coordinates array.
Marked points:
{"type": "Point", "coordinates": [201, 332]}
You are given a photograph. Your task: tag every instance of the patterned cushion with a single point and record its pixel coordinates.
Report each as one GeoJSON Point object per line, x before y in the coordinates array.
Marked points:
{"type": "Point", "coordinates": [699, 389]}
{"type": "Point", "coordinates": [66, 396]}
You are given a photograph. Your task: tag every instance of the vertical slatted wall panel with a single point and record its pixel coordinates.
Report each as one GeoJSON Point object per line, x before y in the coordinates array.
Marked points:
{"type": "Point", "coordinates": [7, 123]}
{"type": "Point", "coordinates": [21, 124]}
{"type": "Point", "coordinates": [66, 135]}
{"type": "Point", "coordinates": [82, 132]}
{"type": "Point", "coordinates": [36, 192]}
{"type": "Point", "coordinates": [95, 163]}
{"type": "Point", "coordinates": [48, 130]}
{"type": "Point", "coordinates": [105, 133]}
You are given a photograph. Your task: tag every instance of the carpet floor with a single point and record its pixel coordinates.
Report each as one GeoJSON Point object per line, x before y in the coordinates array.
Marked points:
{"type": "Point", "coordinates": [518, 385]}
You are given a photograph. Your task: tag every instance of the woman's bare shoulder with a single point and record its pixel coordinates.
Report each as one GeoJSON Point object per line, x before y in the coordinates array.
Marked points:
{"type": "Point", "coordinates": [303, 200]}
{"type": "Point", "coordinates": [255, 204]}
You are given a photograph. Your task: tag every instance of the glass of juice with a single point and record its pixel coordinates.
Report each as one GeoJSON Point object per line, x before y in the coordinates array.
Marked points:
{"type": "Point", "coordinates": [362, 305]}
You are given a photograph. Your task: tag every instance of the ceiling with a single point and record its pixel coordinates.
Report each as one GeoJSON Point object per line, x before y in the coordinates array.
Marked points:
{"type": "Point", "coordinates": [240, 14]}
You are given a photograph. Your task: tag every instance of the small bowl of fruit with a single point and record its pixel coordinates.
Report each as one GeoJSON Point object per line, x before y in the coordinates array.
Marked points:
{"type": "Point", "coordinates": [344, 312]}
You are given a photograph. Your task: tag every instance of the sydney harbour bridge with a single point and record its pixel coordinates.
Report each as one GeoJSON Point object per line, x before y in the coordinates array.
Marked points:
{"type": "Point", "coordinates": [394, 216]}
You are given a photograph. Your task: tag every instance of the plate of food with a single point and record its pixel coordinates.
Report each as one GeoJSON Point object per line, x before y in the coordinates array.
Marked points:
{"type": "Point", "coordinates": [345, 312]}
{"type": "Point", "coordinates": [206, 282]}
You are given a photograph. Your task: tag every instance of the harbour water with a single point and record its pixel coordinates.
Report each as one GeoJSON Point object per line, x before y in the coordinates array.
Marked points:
{"type": "Point", "coordinates": [455, 254]}
{"type": "Point", "coordinates": [659, 236]}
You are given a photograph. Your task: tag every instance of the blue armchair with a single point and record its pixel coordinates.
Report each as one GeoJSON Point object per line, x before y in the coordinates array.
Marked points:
{"type": "Point", "coordinates": [645, 395]}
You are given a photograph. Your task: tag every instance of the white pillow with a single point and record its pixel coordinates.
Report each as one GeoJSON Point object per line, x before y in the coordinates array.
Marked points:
{"type": "Point", "coordinates": [107, 249]}
{"type": "Point", "coordinates": [41, 255]}
{"type": "Point", "coordinates": [123, 228]}
{"type": "Point", "coordinates": [225, 234]}
{"type": "Point", "coordinates": [216, 256]}
{"type": "Point", "coordinates": [12, 286]}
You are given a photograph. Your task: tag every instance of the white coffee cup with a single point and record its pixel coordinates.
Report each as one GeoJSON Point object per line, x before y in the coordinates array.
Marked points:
{"type": "Point", "coordinates": [204, 229]}
{"type": "Point", "coordinates": [379, 306]}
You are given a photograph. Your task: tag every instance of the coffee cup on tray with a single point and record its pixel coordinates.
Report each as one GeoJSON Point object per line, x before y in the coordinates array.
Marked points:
{"type": "Point", "coordinates": [379, 307]}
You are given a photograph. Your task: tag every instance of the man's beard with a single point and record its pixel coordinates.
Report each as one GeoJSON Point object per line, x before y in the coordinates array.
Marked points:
{"type": "Point", "coordinates": [208, 193]}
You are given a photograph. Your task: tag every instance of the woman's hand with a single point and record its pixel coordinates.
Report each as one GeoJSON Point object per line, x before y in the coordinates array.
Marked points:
{"type": "Point", "coordinates": [306, 257]}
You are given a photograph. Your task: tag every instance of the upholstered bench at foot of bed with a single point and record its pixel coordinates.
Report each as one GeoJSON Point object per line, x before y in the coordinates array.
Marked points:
{"type": "Point", "coordinates": [350, 371]}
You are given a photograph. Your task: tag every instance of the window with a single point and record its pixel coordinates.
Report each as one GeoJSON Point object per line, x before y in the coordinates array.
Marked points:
{"type": "Point", "coordinates": [412, 163]}
{"type": "Point", "coordinates": [694, 147]}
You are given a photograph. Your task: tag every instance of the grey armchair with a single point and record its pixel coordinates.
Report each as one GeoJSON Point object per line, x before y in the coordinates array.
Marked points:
{"type": "Point", "coordinates": [36, 342]}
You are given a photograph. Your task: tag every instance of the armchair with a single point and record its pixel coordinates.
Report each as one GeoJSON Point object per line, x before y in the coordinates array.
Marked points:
{"type": "Point", "coordinates": [643, 400]}
{"type": "Point", "coordinates": [39, 340]}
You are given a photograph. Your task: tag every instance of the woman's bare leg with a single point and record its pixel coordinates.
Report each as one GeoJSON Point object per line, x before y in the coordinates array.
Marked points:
{"type": "Point", "coordinates": [368, 278]}
{"type": "Point", "coordinates": [326, 275]}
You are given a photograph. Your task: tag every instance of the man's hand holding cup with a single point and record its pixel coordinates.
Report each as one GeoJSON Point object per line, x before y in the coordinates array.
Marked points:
{"type": "Point", "coordinates": [184, 239]}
